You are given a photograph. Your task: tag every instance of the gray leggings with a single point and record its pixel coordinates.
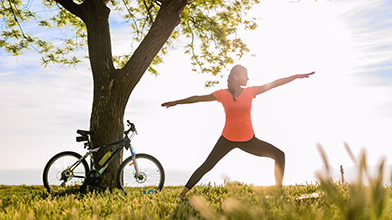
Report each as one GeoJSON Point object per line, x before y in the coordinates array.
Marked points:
{"type": "Point", "coordinates": [254, 146]}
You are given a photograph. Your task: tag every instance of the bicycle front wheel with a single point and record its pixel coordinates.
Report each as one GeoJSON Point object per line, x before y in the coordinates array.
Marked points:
{"type": "Point", "coordinates": [150, 178]}
{"type": "Point", "coordinates": [64, 171]}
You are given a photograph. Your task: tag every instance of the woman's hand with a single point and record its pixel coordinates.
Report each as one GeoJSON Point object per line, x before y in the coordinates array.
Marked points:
{"type": "Point", "coordinates": [169, 104]}
{"type": "Point", "coordinates": [306, 75]}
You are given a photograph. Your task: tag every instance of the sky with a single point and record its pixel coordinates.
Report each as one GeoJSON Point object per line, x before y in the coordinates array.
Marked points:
{"type": "Point", "coordinates": [349, 99]}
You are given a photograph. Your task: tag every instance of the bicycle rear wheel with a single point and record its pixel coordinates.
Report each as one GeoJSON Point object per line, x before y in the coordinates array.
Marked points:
{"type": "Point", "coordinates": [151, 174]}
{"type": "Point", "coordinates": [64, 172]}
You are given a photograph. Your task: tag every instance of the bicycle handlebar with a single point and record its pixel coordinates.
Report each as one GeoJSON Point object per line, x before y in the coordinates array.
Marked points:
{"type": "Point", "coordinates": [132, 127]}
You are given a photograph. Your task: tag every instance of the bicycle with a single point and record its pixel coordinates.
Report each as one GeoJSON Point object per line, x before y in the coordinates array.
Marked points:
{"type": "Point", "coordinates": [69, 169]}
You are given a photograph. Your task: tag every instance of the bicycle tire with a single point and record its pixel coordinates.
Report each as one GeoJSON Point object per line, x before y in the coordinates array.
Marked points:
{"type": "Point", "coordinates": [57, 178]}
{"type": "Point", "coordinates": [152, 176]}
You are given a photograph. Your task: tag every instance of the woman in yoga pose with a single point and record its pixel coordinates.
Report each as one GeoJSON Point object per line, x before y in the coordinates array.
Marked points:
{"type": "Point", "coordinates": [238, 130]}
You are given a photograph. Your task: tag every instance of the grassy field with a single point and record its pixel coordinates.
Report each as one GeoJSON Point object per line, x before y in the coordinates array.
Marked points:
{"type": "Point", "coordinates": [232, 201]}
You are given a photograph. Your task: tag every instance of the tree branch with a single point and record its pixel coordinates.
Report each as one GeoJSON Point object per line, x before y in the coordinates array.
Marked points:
{"type": "Point", "coordinates": [16, 19]}
{"type": "Point", "coordinates": [96, 19]}
{"type": "Point", "coordinates": [166, 20]}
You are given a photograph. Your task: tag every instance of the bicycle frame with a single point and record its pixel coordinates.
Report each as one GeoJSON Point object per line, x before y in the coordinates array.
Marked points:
{"type": "Point", "coordinates": [123, 143]}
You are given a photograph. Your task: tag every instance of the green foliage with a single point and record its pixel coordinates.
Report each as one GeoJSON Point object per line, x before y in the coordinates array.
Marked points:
{"type": "Point", "coordinates": [213, 28]}
{"type": "Point", "coordinates": [208, 31]}
{"type": "Point", "coordinates": [367, 198]}
{"type": "Point", "coordinates": [21, 23]}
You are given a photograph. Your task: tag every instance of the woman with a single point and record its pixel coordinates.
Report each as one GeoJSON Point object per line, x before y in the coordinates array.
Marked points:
{"type": "Point", "coordinates": [238, 130]}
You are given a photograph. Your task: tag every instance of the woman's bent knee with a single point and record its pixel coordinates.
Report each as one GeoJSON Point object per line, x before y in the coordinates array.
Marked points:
{"type": "Point", "coordinates": [280, 156]}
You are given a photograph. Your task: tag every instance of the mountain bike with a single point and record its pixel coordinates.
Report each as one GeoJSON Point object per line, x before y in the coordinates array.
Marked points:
{"type": "Point", "coordinates": [68, 169]}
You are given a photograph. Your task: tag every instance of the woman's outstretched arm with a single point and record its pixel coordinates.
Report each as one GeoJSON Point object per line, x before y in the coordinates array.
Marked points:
{"type": "Point", "coordinates": [192, 99]}
{"type": "Point", "coordinates": [281, 81]}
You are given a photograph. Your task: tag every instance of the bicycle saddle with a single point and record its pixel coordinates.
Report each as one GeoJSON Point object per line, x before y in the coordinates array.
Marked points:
{"type": "Point", "coordinates": [85, 133]}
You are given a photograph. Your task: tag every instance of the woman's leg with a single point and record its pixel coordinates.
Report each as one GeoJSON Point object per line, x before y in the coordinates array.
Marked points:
{"type": "Point", "coordinates": [222, 147]}
{"type": "Point", "coordinates": [263, 149]}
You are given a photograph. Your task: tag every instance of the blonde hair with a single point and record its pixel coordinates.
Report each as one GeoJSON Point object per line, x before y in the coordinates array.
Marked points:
{"type": "Point", "coordinates": [237, 69]}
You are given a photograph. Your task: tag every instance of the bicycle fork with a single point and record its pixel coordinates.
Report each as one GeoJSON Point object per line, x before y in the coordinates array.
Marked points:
{"type": "Point", "coordinates": [138, 174]}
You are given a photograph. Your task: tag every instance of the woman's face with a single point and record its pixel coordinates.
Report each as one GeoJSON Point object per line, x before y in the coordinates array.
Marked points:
{"type": "Point", "coordinates": [242, 78]}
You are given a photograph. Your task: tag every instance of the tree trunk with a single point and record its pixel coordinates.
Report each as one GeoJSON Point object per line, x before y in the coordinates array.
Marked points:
{"type": "Point", "coordinates": [107, 121]}
{"type": "Point", "coordinates": [112, 87]}
{"type": "Point", "coordinates": [108, 102]}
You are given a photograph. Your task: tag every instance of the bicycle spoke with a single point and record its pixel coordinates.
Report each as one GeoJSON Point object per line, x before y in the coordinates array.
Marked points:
{"type": "Point", "coordinates": [58, 175]}
{"type": "Point", "coordinates": [150, 176]}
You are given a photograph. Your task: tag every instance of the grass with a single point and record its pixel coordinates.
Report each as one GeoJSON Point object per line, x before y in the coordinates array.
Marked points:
{"type": "Point", "coordinates": [233, 201]}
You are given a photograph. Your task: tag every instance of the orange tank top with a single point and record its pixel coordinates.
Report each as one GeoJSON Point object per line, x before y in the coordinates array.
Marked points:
{"type": "Point", "coordinates": [238, 126]}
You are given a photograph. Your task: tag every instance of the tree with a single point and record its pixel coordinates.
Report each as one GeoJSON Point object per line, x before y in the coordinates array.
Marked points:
{"type": "Point", "coordinates": [210, 26]}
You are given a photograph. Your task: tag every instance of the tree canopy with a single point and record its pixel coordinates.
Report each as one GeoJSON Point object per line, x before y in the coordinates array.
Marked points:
{"type": "Point", "coordinates": [207, 30]}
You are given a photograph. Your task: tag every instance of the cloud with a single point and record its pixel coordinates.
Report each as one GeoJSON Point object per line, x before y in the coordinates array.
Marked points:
{"type": "Point", "coordinates": [40, 109]}
{"type": "Point", "coordinates": [5, 73]}
{"type": "Point", "coordinates": [370, 23]}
